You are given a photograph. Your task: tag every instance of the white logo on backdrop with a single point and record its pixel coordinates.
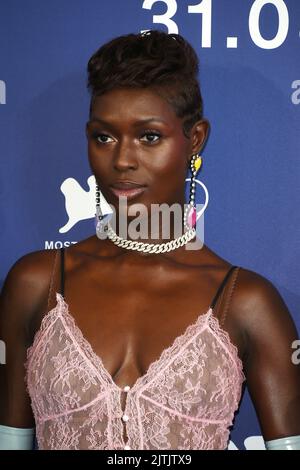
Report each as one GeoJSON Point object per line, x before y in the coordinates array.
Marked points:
{"type": "Point", "coordinates": [206, 10]}
{"type": "Point", "coordinates": [80, 204]}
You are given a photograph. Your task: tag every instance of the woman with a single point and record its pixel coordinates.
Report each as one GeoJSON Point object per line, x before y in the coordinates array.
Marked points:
{"type": "Point", "coordinates": [149, 349]}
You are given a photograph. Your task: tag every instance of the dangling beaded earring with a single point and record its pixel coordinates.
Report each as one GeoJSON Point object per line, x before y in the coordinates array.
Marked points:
{"type": "Point", "coordinates": [100, 219]}
{"type": "Point", "coordinates": [190, 213]}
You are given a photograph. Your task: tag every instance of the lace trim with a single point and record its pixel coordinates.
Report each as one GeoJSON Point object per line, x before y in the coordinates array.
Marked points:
{"type": "Point", "coordinates": [223, 335]}
{"type": "Point", "coordinates": [171, 352]}
{"type": "Point", "coordinates": [82, 344]}
{"type": "Point", "coordinates": [184, 416]}
{"type": "Point", "coordinates": [47, 321]}
{"type": "Point", "coordinates": [75, 410]}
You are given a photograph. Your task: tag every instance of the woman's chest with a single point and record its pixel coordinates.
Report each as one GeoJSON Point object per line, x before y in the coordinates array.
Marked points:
{"type": "Point", "coordinates": [131, 313]}
{"type": "Point", "coordinates": [129, 320]}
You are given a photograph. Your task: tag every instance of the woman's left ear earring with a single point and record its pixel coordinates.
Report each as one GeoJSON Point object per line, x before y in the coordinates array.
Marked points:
{"type": "Point", "coordinates": [190, 214]}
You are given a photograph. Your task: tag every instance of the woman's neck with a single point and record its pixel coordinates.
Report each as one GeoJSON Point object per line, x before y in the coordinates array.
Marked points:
{"type": "Point", "coordinates": [158, 227]}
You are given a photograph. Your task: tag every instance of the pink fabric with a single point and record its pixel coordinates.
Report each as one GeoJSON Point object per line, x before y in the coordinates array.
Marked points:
{"type": "Point", "coordinates": [186, 399]}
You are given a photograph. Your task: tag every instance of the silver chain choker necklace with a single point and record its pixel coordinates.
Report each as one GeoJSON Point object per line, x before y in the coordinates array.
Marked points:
{"type": "Point", "coordinates": [147, 247]}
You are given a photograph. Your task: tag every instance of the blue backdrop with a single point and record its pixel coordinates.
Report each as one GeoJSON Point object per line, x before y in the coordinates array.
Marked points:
{"type": "Point", "coordinates": [250, 81]}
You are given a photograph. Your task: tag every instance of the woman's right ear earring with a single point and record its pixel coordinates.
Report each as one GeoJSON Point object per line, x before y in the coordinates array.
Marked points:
{"type": "Point", "coordinates": [101, 219]}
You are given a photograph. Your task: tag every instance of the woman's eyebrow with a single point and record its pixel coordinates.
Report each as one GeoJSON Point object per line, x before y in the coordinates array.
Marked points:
{"type": "Point", "coordinates": [136, 123]}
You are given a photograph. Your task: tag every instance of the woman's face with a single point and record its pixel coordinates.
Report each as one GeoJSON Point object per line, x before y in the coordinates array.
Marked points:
{"type": "Point", "coordinates": [134, 135]}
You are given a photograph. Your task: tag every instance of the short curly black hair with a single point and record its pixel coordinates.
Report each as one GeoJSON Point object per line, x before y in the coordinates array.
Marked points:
{"type": "Point", "coordinates": [166, 63]}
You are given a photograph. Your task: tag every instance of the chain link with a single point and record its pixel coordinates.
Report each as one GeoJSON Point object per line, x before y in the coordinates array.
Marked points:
{"type": "Point", "coordinates": [150, 247]}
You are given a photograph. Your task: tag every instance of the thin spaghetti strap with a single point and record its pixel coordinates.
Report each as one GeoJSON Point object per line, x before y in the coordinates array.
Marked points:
{"type": "Point", "coordinates": [51, 280]}
{"type": "Point", "coordinates": [233, 283]}
{"type": "Point", "coordinates": [214, 301]}
{"type": "Point", "coordinates": [62, 271]}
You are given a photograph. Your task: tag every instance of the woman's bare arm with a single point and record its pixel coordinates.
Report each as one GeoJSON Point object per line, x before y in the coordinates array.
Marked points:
{"type": "Point", "coordinates": [273, 378]}
{"type": "Point", "coordinates": [22, 295]}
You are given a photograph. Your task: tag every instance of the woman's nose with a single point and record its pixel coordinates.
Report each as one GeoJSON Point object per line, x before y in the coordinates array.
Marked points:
{"type": "Point", "coordinates": [125, 157]}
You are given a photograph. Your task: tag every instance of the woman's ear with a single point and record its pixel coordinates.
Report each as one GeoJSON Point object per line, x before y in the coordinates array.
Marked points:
{"type": "Point", "coordinates": [198, 136]}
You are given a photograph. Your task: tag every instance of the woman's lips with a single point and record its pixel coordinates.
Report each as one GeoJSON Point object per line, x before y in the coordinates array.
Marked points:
{"type": "Point", "coordinates": [130, 193]}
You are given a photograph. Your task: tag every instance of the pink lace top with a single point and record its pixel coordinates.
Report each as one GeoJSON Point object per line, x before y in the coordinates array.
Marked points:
{"type": "Point", "coordinates": [185, 400]}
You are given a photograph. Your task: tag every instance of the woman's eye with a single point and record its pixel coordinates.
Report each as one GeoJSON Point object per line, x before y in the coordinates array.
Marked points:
{"type": "Point", "coordinates": [101, 138]}
{"type": "Point", "coordinates": [154, 136]}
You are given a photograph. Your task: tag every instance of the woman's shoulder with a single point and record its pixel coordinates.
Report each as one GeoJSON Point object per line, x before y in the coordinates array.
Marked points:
{"type": "Point", "coordinates": [256, 292]}
{"type": "Point", "coordinates": [29, 269]}
{"type": "Point", "coordinates": [25, 286]}
{"type": "Point", "coordinates": [33, 269]}
{"type": "Point", "coordinates": [259, 309]}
